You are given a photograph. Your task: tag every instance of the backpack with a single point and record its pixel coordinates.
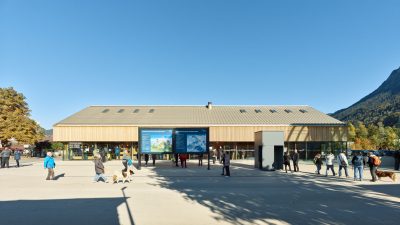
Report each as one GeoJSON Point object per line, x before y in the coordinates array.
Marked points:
{"type": "Point", "coordinates": [358, 161]}
{"type": "Point", "coordinates": [377, 161]}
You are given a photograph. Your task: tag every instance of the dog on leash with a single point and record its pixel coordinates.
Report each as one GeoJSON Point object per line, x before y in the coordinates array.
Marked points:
{"type": "Point", "coordinates": [381, 174]}
{"type": "Point", "coordinates": [123, 176]}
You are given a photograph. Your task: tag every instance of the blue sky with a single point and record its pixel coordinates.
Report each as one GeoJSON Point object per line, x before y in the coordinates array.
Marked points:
{"type": "Point", "coordinates": [66, 55]}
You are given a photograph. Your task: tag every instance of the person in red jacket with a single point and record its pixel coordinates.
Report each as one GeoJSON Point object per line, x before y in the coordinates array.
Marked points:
{"type": "Point", "coordinates": [183, 158]}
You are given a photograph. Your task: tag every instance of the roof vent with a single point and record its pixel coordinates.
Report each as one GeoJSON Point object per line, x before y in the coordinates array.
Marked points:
{"type": "Point", "coordinates": [303, 110]}
{"type": "Point", "coordinates": [257, 110]}
{"type": "Point", "coordinates": [105, 111]}
{"type": "Point", "coordinates": [151, 110]}
{"type": "Point", "coordinates": [136, 111]}
{"type": "Point", "coordinates": [209, 105]}
{"type": "Point", "coordinates": [242, 111]}
{"type": "Point", "coordinates": [272, 110]}
{"type": "Point", "coordinates": [121, 110]}
{"type": "Point", "coordinates": [288, 110]}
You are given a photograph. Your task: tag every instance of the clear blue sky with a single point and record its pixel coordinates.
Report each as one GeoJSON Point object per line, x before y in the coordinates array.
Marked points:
{"type": "Point", "coordinates": [66, 55]}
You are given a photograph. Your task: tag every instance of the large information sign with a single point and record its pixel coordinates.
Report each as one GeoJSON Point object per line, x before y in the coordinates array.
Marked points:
{"type": "Point", "coordinates": [193, 140]}
{"type": "Point", "coordinates": [156, 141]}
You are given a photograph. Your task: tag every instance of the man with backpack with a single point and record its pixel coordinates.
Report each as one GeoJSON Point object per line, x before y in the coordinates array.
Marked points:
{"type": "Point", "coordinates": [358, 164]}
{"type": "Point", "coordinates": [373, 162]}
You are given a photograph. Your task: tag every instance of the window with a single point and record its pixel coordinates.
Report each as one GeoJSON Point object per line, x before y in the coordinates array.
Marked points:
{"type": "Point", "coordinates": [288, 110]}
{"type": "Point", "coordinates": [303, 110]}
{"type": "Point", "coordinates": [151, 110]}
{"type": "Point", "coordinates": [257, 110]}
{"type": "Point", "coordinates": [105, 111]}
{"type": "Point", "coordinates": [242, 111]}
{"type": "Point", "coordinates": [121, 110]}
{"type": "Point", "coordinates": [272, 110]}
{"type": "Point", "coordinates": [136, 110]}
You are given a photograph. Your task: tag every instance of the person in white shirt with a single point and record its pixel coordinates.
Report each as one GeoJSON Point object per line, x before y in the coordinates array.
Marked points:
{"type": "Point", "coordinates": [329, 164]}
{"type": "Point", "coordinates": [343, 164]}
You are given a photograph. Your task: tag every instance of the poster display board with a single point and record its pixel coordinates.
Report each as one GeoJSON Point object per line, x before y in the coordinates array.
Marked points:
{"type": "Point", "coordinates": [156, 141]}
{"type": "Point", "coordinates": [191, 140]}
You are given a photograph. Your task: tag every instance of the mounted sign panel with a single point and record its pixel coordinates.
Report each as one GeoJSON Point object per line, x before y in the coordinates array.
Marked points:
{"type": "Point", "coordinates": [156, 141]}
{"type": "Point", "coordinates": [191, 140]}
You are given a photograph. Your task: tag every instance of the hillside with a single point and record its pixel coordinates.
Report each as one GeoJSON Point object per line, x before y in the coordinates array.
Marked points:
{"type": "Point", "coordinates": [382, 105]}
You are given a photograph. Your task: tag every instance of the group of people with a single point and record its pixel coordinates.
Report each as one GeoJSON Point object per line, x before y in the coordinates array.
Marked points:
{"type": "Point", "coordinates": [5, 156]}
{"type": "Point", "coordinates": [358, 162]}
{"type": "Point", "coordinates": [295, 158]}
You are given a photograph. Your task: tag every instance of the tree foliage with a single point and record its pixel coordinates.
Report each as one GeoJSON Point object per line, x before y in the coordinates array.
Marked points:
{"type": "Point", "coordinates": [15, 121]}
{"type": "Point", "coordinates": [373, 136]}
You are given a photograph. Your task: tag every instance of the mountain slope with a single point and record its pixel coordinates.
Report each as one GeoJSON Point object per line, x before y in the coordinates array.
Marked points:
{"type": "Point", "coordinates": [382, 105]}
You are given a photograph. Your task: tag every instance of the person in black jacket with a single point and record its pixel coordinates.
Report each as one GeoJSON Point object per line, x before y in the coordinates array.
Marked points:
{"type": "Point", "coordinates": [318, 162]}
{"type": "Point", "coordinates": [296, 161]}
{"type": "Point", "coordinates": [286, 161]}
{"type": "Point", "coordinates": [396, 156]}
{"type": "Point", "coordinates": [146, 159]}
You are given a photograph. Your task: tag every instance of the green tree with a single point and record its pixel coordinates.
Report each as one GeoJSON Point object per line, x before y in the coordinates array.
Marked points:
{"type": "Point", "coordinates": [15, 121]}
{"type": "Point", "coordinates": [361, 130]}
{"type": "Point", "coordinates": [373, 135]}
{"type": "Point", "coordinates": [390, 138]}
{"type": "Point", "coordinates": [351, 132]}
{"type": "Point", "coordinates": [57, 145]}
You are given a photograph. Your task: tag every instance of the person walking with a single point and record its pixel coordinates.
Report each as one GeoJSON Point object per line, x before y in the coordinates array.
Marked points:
{"type": "Point", "coordinates": [146, 159]}
{"type": "Point", "coordinates": [176, 156]}
{"type": "Point", "coordinates": [286, 161]}
{"type": "Point", "coordinates": [17, 156]}
{"type": "Point", "coordinates": [396, 156]}
{"type": "Point", "coordinates": [125, 159]}
{"type": "Point", "coordinates": [296, 161]}
{"type": "Point", "coordinates": [358, 164]}
{"type": "Point", "coordinates": [318, 163]}
{"type": "Point", "coordinates": [227, 163]}
{"type": "Point", "coordinates": [154, 157]}
{"type": "Point", "coordinates": [373, 162]}
{"type": "Point", "coordinates": [103, 154]}
{"type": "Point", "coordinates": [343, 164]}
{"type": "Point", "coordinates": [117, 151]}
{"type": "Point", "coordinates": [214, 156]}
{"type": "Point", "coordinates": [201, 159]}
{"type": "Point", "coordinates": [183, 158]}
{"type": "Point", "coordinates": [49, 164]}
{"type": "Point", "coordinates": [329, 164]}
{"type": "Point", "coordinates": [6, 153]}
{"type": "Point", "coordinates": [99, 169]}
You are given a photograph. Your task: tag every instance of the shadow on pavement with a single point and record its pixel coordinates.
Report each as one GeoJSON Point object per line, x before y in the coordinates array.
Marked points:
{"type": "Point", "coordinates": [59, 176]}
{"type": "Point", "coordinates": [275, 197]}
{"type": "Point", "coordinates": [99, 211]}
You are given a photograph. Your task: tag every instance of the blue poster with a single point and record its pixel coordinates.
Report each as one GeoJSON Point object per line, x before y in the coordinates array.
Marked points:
{"type": "Point", "coordinates": [191, 140]}
{"type": "Point", "coordinates": [156, 141]}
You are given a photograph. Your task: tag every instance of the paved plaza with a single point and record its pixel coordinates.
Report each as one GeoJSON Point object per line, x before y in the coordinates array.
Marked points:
{"type": "Point", "coordinates": [169, 195]}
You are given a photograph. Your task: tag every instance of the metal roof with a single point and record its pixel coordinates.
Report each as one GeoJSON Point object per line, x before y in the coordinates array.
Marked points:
{"type": "Point", "coordinates": [217, 115]}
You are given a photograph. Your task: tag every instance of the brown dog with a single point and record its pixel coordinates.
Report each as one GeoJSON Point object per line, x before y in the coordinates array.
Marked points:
{"type": "Point", "coordinates": [381, 174]}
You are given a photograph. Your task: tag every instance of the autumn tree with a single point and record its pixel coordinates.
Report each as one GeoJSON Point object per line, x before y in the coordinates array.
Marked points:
{"type": "Point", "coordinates": [15, 121]}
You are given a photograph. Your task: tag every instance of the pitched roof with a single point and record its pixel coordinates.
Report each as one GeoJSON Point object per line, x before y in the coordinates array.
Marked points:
{"type": "Point", "coordinates": [199, 115]}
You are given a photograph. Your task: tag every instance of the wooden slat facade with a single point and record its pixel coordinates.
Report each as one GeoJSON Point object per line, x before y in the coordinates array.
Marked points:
{"type": "Point", "coordinates": [63, 133]}
{"type": "Point", "coordinates": [95, 133]}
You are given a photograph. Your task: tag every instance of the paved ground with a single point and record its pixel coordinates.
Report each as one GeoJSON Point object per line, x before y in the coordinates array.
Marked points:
{"type": "Point", "coordinates": [169, 195]}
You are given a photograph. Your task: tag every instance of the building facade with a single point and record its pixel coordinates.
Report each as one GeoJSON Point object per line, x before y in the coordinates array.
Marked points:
{"type": "Point", "coordinates": [231, 128]}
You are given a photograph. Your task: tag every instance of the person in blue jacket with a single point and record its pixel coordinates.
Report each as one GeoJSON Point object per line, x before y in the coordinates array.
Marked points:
{"type": "Point", "coordinates": [49, 164]}
{"type": "Point", "coordinates": [117, 151]}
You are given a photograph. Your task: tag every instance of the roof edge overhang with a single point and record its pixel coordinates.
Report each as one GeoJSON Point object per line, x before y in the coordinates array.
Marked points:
{"type": "Point", "coordinates": [194, 125]}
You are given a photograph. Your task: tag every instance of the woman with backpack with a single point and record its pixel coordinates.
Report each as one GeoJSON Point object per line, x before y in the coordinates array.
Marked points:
{"type": "Point", "coordinates": [373, 162]}
{"type": "Point", "coordinates": [318, 163]}
{"type": "Point", "coordinates": [358, 164]}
